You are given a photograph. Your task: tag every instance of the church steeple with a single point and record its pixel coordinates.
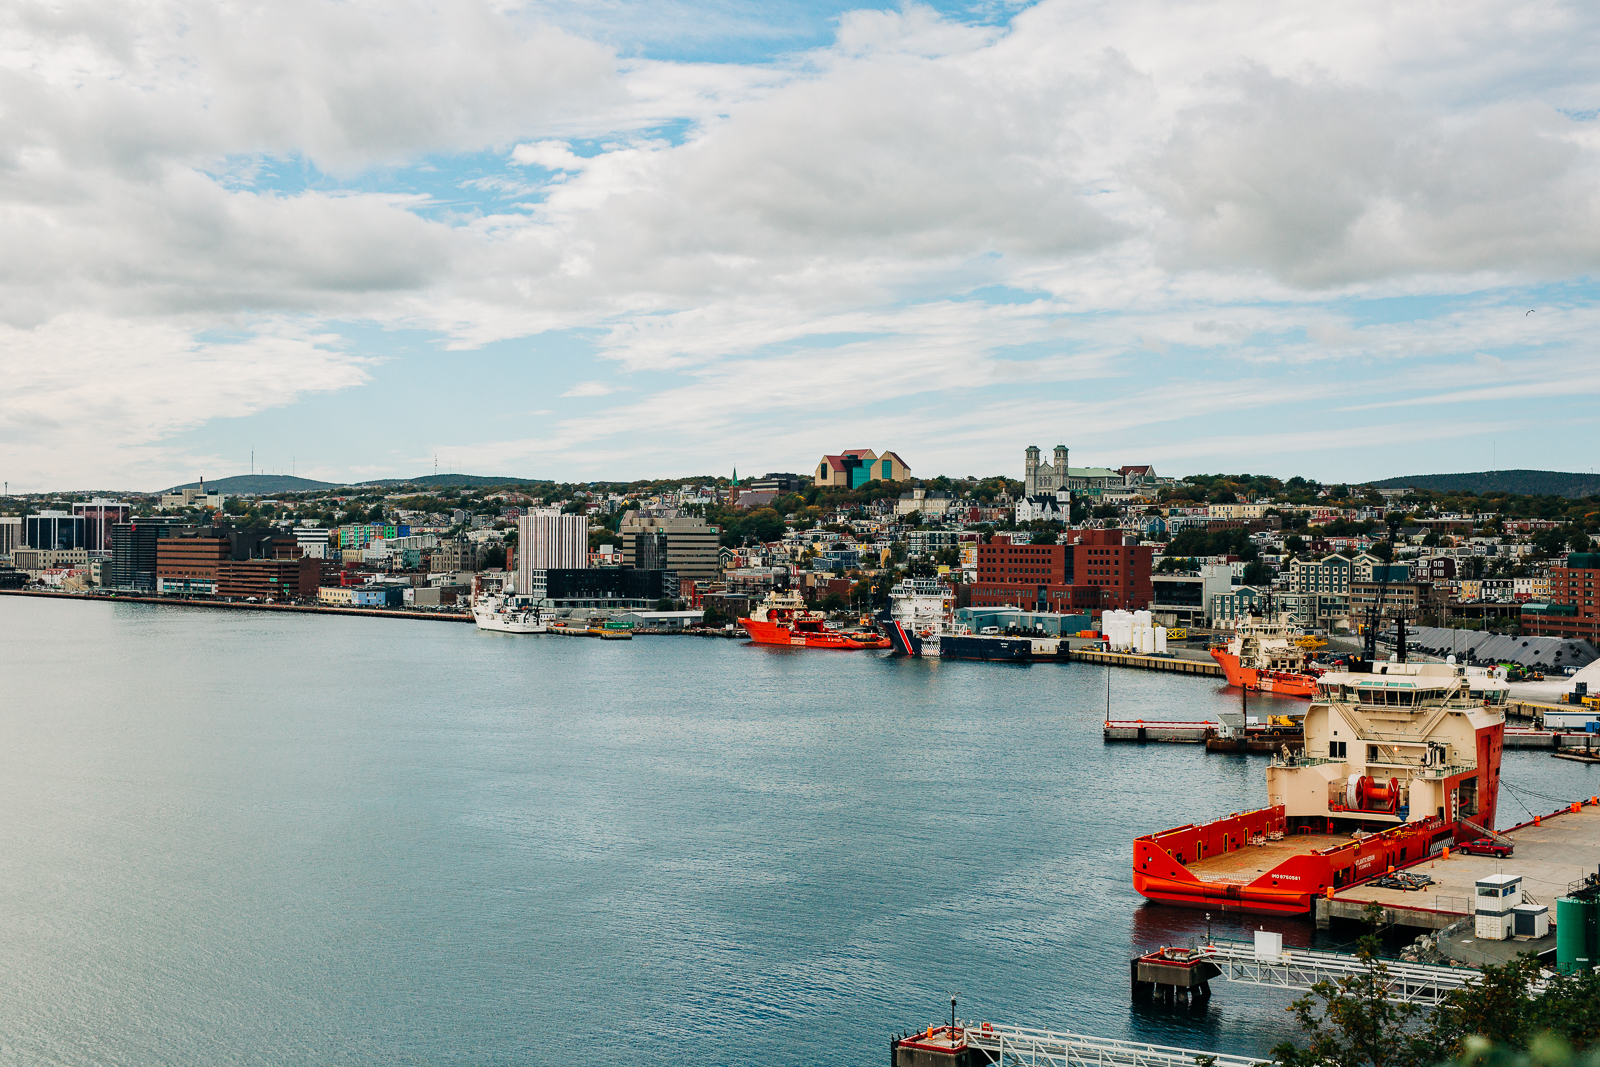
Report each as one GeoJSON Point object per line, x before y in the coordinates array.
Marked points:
{"type": "Point", "coordinates": [736, 476]}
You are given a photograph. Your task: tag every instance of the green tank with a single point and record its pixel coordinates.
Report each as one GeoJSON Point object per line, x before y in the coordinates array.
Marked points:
{"type": "Point", "coordinates": [1575, 926]}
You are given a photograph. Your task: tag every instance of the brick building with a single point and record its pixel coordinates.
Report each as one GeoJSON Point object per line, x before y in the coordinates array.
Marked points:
{"type": "Point", "coordinates": [277, 579]}
{"type": "Point", "coordinates": [1572, 611]}
{"type": "Point", "coordinates": [1096, 571]}
{"type": "Point", "coordinates": [189, 564]}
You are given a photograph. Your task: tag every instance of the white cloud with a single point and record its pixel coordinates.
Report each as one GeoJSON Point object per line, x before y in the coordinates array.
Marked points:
{"type": "Point", "coordinates": [1172, 178]}
{"type": "Point", "coordinates": [590, 389]}
{"type": "Point", "coordinates": [88, 399]}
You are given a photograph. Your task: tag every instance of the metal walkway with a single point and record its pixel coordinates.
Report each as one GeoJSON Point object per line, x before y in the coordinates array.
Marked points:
{"type": "Point", "coordinates": [1017, 1046]}
{"type": "Point", "coordinates": [1300, 969]}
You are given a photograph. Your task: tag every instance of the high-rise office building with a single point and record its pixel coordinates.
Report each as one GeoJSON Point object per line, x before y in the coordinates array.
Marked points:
{"type": "Point", "coordinates": [99, 516]}
{"type": "Point", "coordinates": [548, 540]}
{"type": "Point", "coordinates": [55, 529]}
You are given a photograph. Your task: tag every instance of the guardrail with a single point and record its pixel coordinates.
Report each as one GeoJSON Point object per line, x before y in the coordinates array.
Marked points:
{"type": "Point", "coordinates": [1019, 1045]}
{"type": "Point", "coordinates": [1300, 969]}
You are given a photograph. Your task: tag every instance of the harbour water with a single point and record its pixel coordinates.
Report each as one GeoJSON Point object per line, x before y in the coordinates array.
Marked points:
{"type": "Point", "coordinates": [257, 839]}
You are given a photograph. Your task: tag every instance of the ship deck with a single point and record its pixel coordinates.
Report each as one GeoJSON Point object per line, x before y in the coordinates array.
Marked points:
{"type": "Point", "coordinates": [1244, 865]}
{"type": "Point", "coordinates": [1559, 851]}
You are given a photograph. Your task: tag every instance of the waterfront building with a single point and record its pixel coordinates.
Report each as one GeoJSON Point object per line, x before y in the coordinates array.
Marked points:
{"type": "Point", "coordinates": [55, 529]}
{"type": "Point", "coordinates": [601, 587]}
{"type": "Point", "coordinates": [275, 579]}
{"type": "Point", "coordinates": [133, 551]}
{"type": "Point", "coordinates": [1185, 599]}
{"type": "Point", "coordinates": [11, 535]}
{"type": "Point", "coordinates": [99, 516]}
{"type": "Point", "coordinates": [548, 540]}
{"type": "Point", "coordinates": [38, 560]}
{"type": "Point", "coordinates": [855, 467]}
{"type": "Point", "coordinates": [453, 554]}
{"type": "Point", "coordinates": [188, 561]}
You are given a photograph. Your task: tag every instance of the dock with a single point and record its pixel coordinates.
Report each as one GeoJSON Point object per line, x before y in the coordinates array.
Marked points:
{"type": "Point", "coordinates": [1550, 852]}
{"type": "Point", "coordinates": [1522, 737]}
{"type": "Point", "coordinates": [240, 605]}
{"type": "Point", "coordinates": [1140, 730]}
{"type": "Point", "coordinates": [1171, 664]}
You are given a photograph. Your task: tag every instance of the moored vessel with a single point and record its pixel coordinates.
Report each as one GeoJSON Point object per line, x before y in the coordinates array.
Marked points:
{"type": "Point", "coordinates": [1268, 656]}
{"type": "Point", "coordinates": [508, 614]}
{"type": "Point", "coordinates": [920, 622]}
{"type": "Point", "coordinates": [784, 619]}
{"type": "Point", "coordinates": [1400, 760]}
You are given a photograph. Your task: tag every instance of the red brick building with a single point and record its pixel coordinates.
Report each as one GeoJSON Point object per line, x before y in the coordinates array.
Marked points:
{"type": "Point", "coordinates": [277, 579]}
{"type": "Point", "coordinates": [1572, 598]}
{"type": "Point", "coordinates": [1094, 572]}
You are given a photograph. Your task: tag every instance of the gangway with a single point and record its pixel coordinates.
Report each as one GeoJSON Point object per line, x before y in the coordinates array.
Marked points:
{"type": "Point", "coordinates": [1019, 1046]}
{"type": "Point", "coordinates": [1266, 963]}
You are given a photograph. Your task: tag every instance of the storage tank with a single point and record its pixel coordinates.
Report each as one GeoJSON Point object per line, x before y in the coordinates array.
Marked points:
{"type": "Point", "coordinates": [1161, 639]}
{"type": "Point", "coordinates": [1572, 935]}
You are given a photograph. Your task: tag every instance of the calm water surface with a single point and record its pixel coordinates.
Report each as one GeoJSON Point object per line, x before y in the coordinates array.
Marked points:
{"type": "Point", "coordinates": [255, 839]}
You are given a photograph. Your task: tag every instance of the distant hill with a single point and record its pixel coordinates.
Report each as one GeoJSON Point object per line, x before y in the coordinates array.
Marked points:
{"type": "Point", "coordinates": [1528, 483]}
{"type": "Point", "coordinates": [257, 484]}
{"type": "Point", "coordinates": [439, 480]}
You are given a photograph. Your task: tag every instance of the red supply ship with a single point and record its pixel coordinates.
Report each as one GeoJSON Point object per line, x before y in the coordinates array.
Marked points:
{"type": "Point", "coordinates": [784, 619]}
{"type": "Point", "coordinates": [1400, 761]}
{"type": "Point", "coordinates": [1268, 657]}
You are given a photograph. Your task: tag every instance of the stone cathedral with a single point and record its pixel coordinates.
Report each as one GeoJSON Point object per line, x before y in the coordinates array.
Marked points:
{"type": "Point", "coordinates": [1043, 479]}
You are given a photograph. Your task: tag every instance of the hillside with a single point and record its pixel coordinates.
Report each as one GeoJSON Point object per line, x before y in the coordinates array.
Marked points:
{"type": "Point", "coordinates": [257, 484]}
{"type": "Point", "coordinates": [434, 481]}
{"type": "Point", "coordinates": [1528, 483]}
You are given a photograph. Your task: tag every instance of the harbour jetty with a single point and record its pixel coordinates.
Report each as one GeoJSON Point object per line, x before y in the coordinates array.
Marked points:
{"type": "Point", "coordinates": [1171, 664]}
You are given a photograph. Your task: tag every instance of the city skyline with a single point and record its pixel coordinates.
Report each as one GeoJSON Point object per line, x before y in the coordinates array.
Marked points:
{"type": "Point", "coordinates": [646, 241]}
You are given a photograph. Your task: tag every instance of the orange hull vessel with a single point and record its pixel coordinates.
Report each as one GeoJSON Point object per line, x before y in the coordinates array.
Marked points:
{"type": "Point", "coordinates": [802, 636]}
{"type": "Point", "coordinates": [1400, 760]}
{"type": "Point", "coordinates": [784, 619]}
{"type": "Point", "coordinates": [1284, 683]}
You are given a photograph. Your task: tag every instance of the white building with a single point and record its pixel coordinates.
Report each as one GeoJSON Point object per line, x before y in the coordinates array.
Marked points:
{"type": "Point", "coordinates": [547, 541]}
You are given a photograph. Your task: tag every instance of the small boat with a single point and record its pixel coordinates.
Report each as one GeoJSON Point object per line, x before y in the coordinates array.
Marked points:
{"type": "Point", "coordinates": [784, 619]}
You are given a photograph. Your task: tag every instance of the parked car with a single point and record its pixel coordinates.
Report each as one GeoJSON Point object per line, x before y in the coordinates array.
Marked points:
{"type": "Point", "coordinates": [1485, 846]}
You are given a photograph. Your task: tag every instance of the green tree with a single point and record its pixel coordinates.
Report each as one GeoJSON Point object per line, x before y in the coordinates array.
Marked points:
{"type": "Point", "coordinates": [1352, 1021]}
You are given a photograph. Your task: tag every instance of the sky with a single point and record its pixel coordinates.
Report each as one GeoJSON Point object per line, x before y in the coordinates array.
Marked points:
{"type": "Point", "coordinates": [611, 240]}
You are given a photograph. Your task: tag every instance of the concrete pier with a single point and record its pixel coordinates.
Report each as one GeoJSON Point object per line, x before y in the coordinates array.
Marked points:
{"type": "Point", "coordinates": [1171, 664]}
{"type": "Point", "coordinates": [1190, 733]}
{"type": "Point", "coordinates": [1550, 853]}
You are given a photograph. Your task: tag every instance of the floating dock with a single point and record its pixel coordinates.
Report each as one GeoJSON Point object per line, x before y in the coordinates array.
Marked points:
{"type": "Point", "coordinates": [1550, 852]}
{"type": "Point", "coordinates": [1171, 664]}
{"type": "Point", "coordinates": [1138, 730]}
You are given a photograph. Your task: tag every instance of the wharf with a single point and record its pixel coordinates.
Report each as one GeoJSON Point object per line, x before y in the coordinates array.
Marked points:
{"type": "Point", "coordinates": [1550, 853]}
{"type": "Point", "coordinates": [1141, 731]}
{"type": "Point", "coordinates": [237, 605]}
{"type": "Point", "coordinates": [1520, 737]}
{"type": "Point", "coordinates": [1173, 664]}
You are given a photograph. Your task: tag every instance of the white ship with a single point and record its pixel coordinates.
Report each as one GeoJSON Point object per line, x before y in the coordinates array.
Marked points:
{"type": "Point", "coordinates": [924, 610]}
{"type": "Point", "coordinates": [508, 614]}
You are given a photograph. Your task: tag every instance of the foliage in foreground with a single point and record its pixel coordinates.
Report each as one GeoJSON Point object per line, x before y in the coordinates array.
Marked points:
{"type": "Point", "coordinates": [1497, 1022]}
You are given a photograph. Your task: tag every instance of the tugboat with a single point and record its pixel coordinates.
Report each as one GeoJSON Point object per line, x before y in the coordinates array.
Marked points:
{"type": "Point", "coordinates": [1401, 759]}
{"type": "Point", "coordinates": [1269, 657]}
{"type": "Point", "coordinates": [784, 619]}
{"type": "Point", "coordinates": [919, 622]}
